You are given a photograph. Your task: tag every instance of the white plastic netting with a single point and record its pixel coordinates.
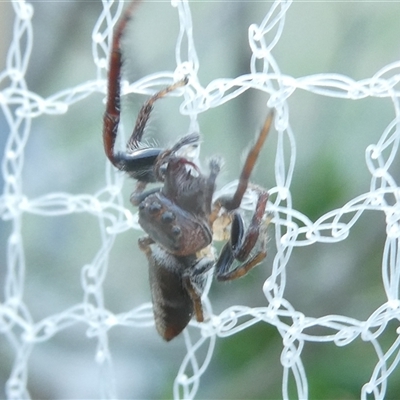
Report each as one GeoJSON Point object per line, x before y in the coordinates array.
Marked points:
{"type": "Point", "coordinates": [333, 269]}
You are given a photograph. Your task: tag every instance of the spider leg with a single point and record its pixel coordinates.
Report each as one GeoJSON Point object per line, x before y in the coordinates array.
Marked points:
{"type": "Point", "coordinates": [166, 155]}
{"type": "Point", "coordinates": [138, 195]}
{"type": "Point", "coordinates": [231, 203]}
{"type": "Point", "coordinates": [140, 162]}
{"type": "Point", "coordinates": [145, 111]}
{"type": "Point", "coordinates": [241, 244]}
{"type": "Point", "coordinates": [137, 161]}
{"type": "Point", "coordinates": [113, 110]}
{"type": "Point", "coordinates": [215, 167]}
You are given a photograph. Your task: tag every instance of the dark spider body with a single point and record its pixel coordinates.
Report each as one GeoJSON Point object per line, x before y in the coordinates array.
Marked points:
{"type": "Point", "coordinates": [179, 216]}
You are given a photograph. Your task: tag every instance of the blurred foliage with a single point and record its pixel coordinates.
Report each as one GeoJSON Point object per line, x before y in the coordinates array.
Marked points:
{"type": "Point", "coordinates": [324, 189]}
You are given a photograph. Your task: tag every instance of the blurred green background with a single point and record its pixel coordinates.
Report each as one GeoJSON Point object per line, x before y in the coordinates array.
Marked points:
{"type": "Point", "coordinates": [65, 153]}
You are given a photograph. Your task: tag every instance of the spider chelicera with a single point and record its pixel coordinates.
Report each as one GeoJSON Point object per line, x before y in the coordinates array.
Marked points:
{"type": "Point", "coordinates": [180, 217]}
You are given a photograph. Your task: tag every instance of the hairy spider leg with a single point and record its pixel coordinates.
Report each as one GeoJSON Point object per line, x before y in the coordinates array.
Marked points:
{"type": "Point", "coordinates": [234, 202]}
{"type": "Point", "coordinates": [113, 107]}
{"type": "Point", "coordinates": [241, 243]}
{"type": "Point", "coordinates": [137, 161]}
{"type": "Point", "coordinates": [215, 168]}
{"type": "Point", "coordinates": [145, 111]}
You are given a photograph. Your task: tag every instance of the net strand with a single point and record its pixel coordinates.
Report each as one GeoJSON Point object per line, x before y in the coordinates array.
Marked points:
{"type": "Point", "coordinates": [292, 228]}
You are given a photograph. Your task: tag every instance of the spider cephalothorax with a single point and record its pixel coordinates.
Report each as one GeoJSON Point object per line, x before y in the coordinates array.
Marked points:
{"type": "Point", "coordinates": [179, 216]}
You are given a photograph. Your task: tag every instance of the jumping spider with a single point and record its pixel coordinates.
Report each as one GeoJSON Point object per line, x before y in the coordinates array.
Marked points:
{"type": "Point", "coordinates": [179, 216]}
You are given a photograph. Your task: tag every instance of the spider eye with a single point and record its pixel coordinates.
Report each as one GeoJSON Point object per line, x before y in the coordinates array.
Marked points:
{"type": "Point", "coordinates": [154, 208]}
{"type": "Point", "coordinates": [176, 231]}
{"type": "Point", "coordinates": [168, 217]}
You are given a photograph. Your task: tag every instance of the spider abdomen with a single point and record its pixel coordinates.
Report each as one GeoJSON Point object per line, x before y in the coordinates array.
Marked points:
{"type": "Point", "coordinates": [172, 305]}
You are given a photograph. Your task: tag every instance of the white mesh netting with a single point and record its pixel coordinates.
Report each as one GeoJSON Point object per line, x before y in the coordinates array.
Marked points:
{"type": "Point", "coordinates": [61, 282]}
